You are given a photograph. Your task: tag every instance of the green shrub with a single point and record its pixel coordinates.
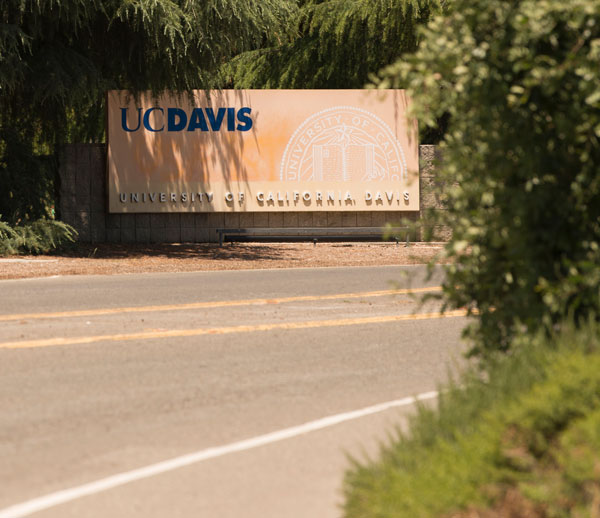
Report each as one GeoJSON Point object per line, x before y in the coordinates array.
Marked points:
{"type": "Point", "coordinates": [526, 435]}
{"type": "Point", "coordinates": [8, 239]}
{"type": "Point", "coordinates": [38, 237]}
{"type": "Point", "coordinates": [519, 81]}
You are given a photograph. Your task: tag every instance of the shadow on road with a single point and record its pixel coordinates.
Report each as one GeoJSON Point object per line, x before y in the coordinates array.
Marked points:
{"type": "Point", "coordinates": [176, 251]}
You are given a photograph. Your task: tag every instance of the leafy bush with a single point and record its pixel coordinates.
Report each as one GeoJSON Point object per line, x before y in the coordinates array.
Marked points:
{"type": "Point", "coordinates": [38, 237]}
{"type": "Point", "coordinates": [522, 441]}
{"type": "Point", "coordinates": [519, 81]}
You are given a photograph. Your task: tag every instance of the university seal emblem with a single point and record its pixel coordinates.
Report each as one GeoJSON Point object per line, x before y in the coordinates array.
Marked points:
{"type": "Point", "coordinates": [343, 144]}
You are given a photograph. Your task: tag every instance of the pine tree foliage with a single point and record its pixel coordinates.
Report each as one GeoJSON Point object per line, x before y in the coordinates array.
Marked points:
{"type": "Point", "coordinates": [58, 57]}
{"type": "Point", "coordinates": [39, 237]}
{"type": "Point", "coordinates": [57, 48]}
{"type": "Point", "coordinates": [336, 44]}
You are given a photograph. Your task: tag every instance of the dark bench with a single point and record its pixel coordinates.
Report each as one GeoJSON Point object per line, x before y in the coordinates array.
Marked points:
{"type": "Point", "coordinates": [313, 234]}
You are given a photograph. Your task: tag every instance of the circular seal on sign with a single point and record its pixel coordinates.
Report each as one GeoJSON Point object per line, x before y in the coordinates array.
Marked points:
{"type": "Point", "coordinates": [343, 144]}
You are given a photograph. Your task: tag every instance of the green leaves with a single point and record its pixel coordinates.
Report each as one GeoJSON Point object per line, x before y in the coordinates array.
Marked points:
{"type": "Point", "coordinates": [38, 237]}
{"type": "Point", "coordinates": [58, 58]}
{"type": "Point", "coordinates": [529, 427]}
{"type": "Point", "coordinates": [521, 83]}
{"type": "Point", "coordinates": [336, 44]}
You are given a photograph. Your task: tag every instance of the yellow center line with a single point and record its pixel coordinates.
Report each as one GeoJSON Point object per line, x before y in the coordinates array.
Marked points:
{"type": "Point", "coordinates": [213, 304]}
{"type": "Point", "coordinates": [179, 333]}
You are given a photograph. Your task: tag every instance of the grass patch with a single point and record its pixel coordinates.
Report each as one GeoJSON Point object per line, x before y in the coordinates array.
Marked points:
{"type": "Point", "coordinates": [39, 237]}
{"type": "Point", "coordinates": [520, 439]}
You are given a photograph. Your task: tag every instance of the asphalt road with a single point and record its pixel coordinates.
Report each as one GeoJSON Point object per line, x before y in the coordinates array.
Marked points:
{"type": "Point", "coordinates": [226, 376]}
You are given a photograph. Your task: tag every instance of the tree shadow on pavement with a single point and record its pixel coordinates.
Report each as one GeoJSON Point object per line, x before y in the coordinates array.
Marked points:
{"type": "Point", "coordinates": [237, 251]}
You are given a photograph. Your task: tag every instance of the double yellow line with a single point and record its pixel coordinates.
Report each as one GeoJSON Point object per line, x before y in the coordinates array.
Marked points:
{"type": "Point", "coordinates": [210, 305]}
{"type": "Point", "coordinates": [178, 333]}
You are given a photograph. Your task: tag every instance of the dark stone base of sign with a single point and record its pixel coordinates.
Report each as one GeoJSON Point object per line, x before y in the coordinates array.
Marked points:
{"type": "Point", "coordinates": [83, 204]}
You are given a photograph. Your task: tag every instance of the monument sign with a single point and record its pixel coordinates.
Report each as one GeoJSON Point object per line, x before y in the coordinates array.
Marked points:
{"type": "Point", "coordinates": [262, 150]}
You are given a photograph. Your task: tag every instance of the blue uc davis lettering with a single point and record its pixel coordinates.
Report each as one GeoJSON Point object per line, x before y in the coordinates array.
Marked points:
{"type": "Point", "coordinates": [177, 119]}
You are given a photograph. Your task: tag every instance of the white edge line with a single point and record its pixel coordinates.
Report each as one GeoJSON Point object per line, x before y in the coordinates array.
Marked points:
{"type": "Point", "coordinates": [67, 495]}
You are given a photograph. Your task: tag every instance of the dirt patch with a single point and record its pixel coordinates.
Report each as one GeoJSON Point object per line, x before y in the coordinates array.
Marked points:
{"type": "Point", "coordinates": [105, 259]}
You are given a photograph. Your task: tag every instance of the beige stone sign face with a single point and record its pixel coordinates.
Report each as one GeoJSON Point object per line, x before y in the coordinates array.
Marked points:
{"type": "Point", "coordinates": [262, 150]}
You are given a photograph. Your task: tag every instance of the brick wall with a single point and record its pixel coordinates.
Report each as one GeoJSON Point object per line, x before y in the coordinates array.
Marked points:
{"type": "Point", "coordinates": [83, 204]}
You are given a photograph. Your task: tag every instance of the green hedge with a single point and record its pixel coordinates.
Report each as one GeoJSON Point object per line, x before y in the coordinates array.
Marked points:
{"type": "Point", "coordinates": [524, 437]}
{"type": "Point", "coordinates": [38, 237]}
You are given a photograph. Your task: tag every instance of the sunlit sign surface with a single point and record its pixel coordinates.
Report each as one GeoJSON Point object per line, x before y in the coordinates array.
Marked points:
{"type": "Point", "coordinates": [262, 150]}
